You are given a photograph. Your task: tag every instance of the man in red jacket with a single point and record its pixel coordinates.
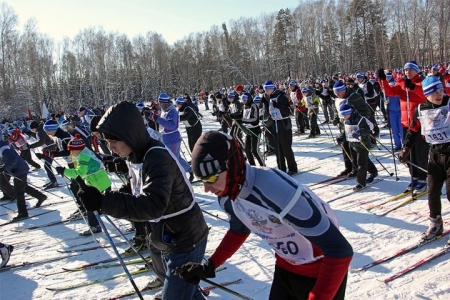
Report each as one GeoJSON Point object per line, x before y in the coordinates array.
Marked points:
{"type": "Point", "coordinates": [409, 89]}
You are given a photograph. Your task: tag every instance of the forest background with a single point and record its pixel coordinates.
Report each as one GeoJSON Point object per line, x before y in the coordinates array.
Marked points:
{"type": "Point", "coordinates": [313, 39]}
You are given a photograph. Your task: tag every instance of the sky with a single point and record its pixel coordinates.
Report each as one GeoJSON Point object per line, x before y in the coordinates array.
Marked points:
{"type": "Point", "coordinates": [173, 19]}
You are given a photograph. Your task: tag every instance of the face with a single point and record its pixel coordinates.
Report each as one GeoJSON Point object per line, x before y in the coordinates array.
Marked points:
{"type": "Point", "coordinates": [119, 147]}
{"type": "Point", "coordinates": [436, 97]}
{"type": "Point", "coordinates": [347, 117]}
{"type": "Point", "coordinates": [269, 92]}
{"type": "Point", "coordinates": [340, 94]}
{"type": "Point", "coordinates": [360, 80]}
{"type": "Point", "coordinates": [81, 113]}
{"type": "Point", "coordinates": [217, 187]}
{"type": "Point", "coordinates": [291, 87]}
{"type": "Point", "coordinates": [410, 73]}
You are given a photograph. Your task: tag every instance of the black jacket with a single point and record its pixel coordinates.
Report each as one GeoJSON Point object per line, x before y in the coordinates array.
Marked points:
{"type": "Point", "coordinates": [43, 140]}
{"type": "Point", "coordinates": [165, 188]}
{"type": "Point", "coordinates": [187, 113]}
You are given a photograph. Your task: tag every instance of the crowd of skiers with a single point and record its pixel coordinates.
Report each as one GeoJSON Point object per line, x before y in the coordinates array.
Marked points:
{"type": "Point", "coordinates": [142, 144]}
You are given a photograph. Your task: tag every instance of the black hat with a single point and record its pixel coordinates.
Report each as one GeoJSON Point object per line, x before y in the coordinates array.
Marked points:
{"type": "Point", "coordinates": [34, 124]}
{"type": "Point", "coordinates": [210, 154]}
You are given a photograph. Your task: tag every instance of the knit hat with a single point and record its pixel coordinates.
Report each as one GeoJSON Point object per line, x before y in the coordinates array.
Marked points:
{"type": "Point", "coordinates": [215, 152]}
{"type": "Point", "coordinates": [305, 90]}
{"type": "Point", "coordinates": [257, 99]}
{"type": "Point", "coordinates": [164, 98]}
{"type": "Point", "coordinates": [345, 110]}
{"type": "Point", "coordinates": [34, 124]}
{"type": "Point", "coordinates": [388, 76]}
{"type": "Point", "coordinates": [64, 123]}
{"type": "Point", "coordinates": [76, 144]}
{"type": "Point", "coordinates": [82, 108]}
{"type": "Point", "coordinates": [51, 125]}
{"type": "Point", "coordinates": [412, 64]}
{"type": "Point", "coordinates": [239, 88]}
{"type": "Point", "coordinates": [350, 81]}
{"type": "Point", "coordinates": [140, 105]}
{"type": "Point", "coordinates": [372, 79]}
{"type": "Point", "coordinates": [293, 83]}
{"type": "Point", "coordinates": [431, 84]}
{"type": "Point", "coordinates": [339, 87]}
{"type": "Point", "coordinates": [180, 100]}
{"type": "Point", "coordinates": [268, 85]}
{"type": "Point", "coordinates": [435, 68]}
{"type": "Point", "coordinates": [231, 95]}
{"type": "Point", "coordinates": [244, 97]}
{"type": "Point", "coordinates": [360, 75]}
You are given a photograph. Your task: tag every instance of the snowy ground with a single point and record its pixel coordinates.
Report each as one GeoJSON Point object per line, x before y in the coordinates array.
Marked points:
{"type": "Point", "coordinates": [371, 236]}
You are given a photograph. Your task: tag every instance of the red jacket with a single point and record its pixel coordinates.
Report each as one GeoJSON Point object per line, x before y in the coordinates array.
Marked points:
{"type": "Point", "coordinates": [447, 84]}
{"type": "Point", "coordinates": [416, 97]}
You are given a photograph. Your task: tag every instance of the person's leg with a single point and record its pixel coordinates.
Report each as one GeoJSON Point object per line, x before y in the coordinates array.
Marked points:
{"type": "Point", "coordinates": [20, 183]}
{"type": "Point", "coordinates": [290, 286]}
{"type": "Point", "coordinates": [26, 155]}
{"type": "Point", "coordinates": [174, 287]}
{"type": "Point", "coordinates": [5, 187]}
{"type": "Point", "coordinates": [248, 149]}
{"type": "Point", "coordinates": [48, 168]}
{"type": "Point", "coordinates": [362, 157]}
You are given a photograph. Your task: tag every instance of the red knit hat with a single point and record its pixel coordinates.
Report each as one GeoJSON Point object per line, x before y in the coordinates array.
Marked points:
{"type": "Point", "coordinates": [239, 88]}
{"type": "Point", "coordinates": [76, 144]}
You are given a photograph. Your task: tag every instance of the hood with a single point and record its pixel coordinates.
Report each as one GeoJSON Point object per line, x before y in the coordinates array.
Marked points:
{"type": "Point", "coordinates": [3, 146]}
{"type": "Point", "coordinates": [124, 121]}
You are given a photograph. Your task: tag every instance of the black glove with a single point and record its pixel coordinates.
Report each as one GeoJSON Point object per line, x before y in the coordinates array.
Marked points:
{"type": "Point", "coordinates": [110, 166]}
{"type": "Point", "coordinates": [381, 74]}
{"type": "Point", "coordinates": [409, 84]}
{"type": "Point", "coordinates": [121, 165]}
{"type": "Point", "coordinates": [60, 170]}
{"type": "Point", "coordinates": [48, 153]}
{"type": "Point", "coordinates": [335, 122]}
{"type": "Point", "coordinates": [91, 198]}
{"type": "Point", "coordinates": [340, 139]}
{"type": "Point", "coordinates": [39, 155]}
{"type": "Point", "coordinates": [403, 157]}
{"type": "Point", "coordinates": [192, 272]}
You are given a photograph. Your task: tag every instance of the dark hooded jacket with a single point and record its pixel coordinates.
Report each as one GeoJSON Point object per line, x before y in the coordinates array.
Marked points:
{"type": "Point", "coordinates": [43, 140]}
{"type": "Point", "coordinates": [165, 189]}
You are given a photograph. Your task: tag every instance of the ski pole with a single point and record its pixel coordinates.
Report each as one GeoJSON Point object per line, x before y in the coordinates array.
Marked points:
{"type": "Point", "coordinates": [408, 106]}
{"type": "Point", "coordinates": [390, 174]}
{"type": "Point", "coordinates": [83, 185]}
{"type": "Point", "coordinates": [390, 134]}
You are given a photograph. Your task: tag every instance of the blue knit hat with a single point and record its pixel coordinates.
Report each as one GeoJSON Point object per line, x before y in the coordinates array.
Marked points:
{"type": "Point", "coordinates": [305, 90]}
{"type": "Point", "coordinates": [244, 97]}
{"type": "Point", "coordinates": [51, 125]}
{"type": "Point", "coordinates": [64, 123]}
{"type": "Point", "coordinates": [231, 95]}
{"type": "Point", "coordinates": [140, 105]}
{"type": "Point", "coordinates": [360, 75]}
{"type": "Point", "coordinates": [388, 76]}
{"type": "Point", "coordinates": [412, 64]}
{"type": "Point", "coordinates": [373, 80]}
{"type": "Point", "coordinates": [268, 85]}
{"type": "Point", "coordinates": [180, 100]}
{"type": "Point", "coordinates": [435, 68]}
{"type": "Point", "coordinates": [345, 110]}
{"type": "Point", "coordinates": [293, 83]}
{"type": "Point", "coordinates": [431, 84]}
{"type": "Point", "coordinates": [257, 99]}
{"type": "Point", "coordinates": [164, 98]}
{"type": "Point", "coordinates": [339, 87]}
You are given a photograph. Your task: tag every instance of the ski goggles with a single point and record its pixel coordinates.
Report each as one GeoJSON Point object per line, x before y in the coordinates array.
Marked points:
{"type": "Point", "coordinates": [211, 178]}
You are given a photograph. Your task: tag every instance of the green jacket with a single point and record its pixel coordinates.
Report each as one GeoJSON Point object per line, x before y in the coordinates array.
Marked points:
{"type": "Point", "coordinates": [91, 169]}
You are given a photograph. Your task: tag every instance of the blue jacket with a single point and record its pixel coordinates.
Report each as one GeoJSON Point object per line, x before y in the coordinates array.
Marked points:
{"type": "Point", "coordinates": [13, 163]}
{"type": "Point", "coordinates": [170, 121]}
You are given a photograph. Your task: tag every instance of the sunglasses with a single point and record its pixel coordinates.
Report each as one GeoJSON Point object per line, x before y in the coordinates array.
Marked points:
{"type": "Point", "coordinates": [211, 178]}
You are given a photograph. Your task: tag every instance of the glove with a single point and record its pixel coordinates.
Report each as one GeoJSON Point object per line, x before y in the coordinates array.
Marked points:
{"type": "Point", "coordinates": [39, 155]}
{"type": "Point", "coordinates": [409, 84]}
{"type": "Point", "coordinates": [48, 153]}
{"type": "Point", "coordinates": [110, 166]}
{"type": "Point", "coordinates": [356, 135]}
{"type": "Point", "coordinates": [192, 272]}
{"type": "Point", "coordinates": [60, 170]}
{"type": "Point", "coordinates": [121, 165]}
{"type": "Point", "coordinates": [340, 139]}
{"type": "Point", "coordinates": [404, 155]}
{"type": "Point", "coordinates": [91, 198]}
{"type": "Point", "coordinates": [335, 122]}
{"type": "Point", "coordinates": [381, 74]}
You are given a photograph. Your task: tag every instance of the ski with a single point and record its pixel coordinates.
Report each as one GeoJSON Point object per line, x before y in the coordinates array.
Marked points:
{"type": "Point", "coordinates": [376, 180]}
{"type": "Point", "coordinates": [326, 180]}
{"type": "Point", "coordinates": [88, 248]}
{"type": "Point", "coordinates": [393, 198]}
{"type": "Point", "coordinates": [404, 202]}
{"type": "Point", "coordinates": [44, 225]}
{"type": "Point", "coordinates": [225, 283]}
{"type": "Point", "coordinates": [29, 217]}
{"type": "Point", "coordinates": [419, 263]}
{"type": "Point", "coordinates": [400, 252]}
{"type": "Point", "coordinates": [31, 263]}
{"type": "Point", "coordinates": [152, 288]}
{"type": "Point", "coordinates": [92, 282]}
{"type": "Point", "coordinates": [341, 179]}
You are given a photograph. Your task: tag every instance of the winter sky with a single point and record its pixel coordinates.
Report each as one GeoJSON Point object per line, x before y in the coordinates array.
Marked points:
{"type": "Point", "coordinates": [173, 19]}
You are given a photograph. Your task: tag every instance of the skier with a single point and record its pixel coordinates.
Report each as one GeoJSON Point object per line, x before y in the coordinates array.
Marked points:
{"type": "Point", "coordinates": [431, 120]}
{"type": "Point", "coordinates": [14, 166]}
{"type": "Point", "coordinates": [189, 117]}
{"type": "Point", "coordinates": [357, 131]}
{"type": "Point", "coordinates": [312, 255]}
{"type": "Point", "coordinates": [157, 191]}
{"type": "Point", "coordinates": [277, 105]}
{"type": "Point", "coordinates": [311, 102]}
{"type": "Point", "coordinates": [91, 170]}
{"type": "Point", "coordinates": [19, 141]}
